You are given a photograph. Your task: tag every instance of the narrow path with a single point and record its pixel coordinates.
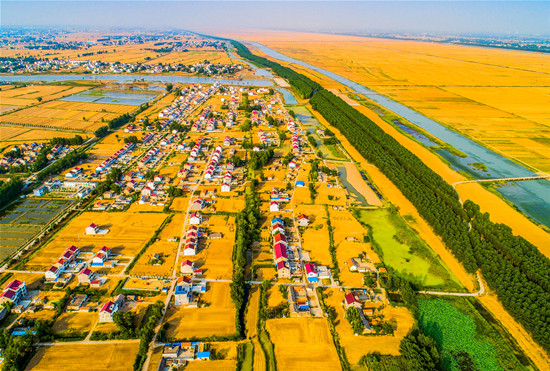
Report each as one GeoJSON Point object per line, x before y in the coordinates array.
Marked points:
{"type": "Point", "coordinates": [517, 179]}
{"type": "Point", "coordinates": [478, 293]}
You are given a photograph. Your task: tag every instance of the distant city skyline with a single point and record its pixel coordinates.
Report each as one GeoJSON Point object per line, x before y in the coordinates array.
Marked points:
{"type": "Point", "coordinates": [443, 17]}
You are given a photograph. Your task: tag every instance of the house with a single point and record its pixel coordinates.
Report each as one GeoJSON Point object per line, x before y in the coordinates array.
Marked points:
{"type": "Point", "coordinates": [277, 228]}
{"type": "Point", "coordinates": [279, 237]}
{"type": "Point", "coordinates": [110, 308]}
{"type": "Point", "coordinates": [311, 272]}
{"type": "Point", "coordinates": [300, 183]}
{"type": "Point", "coordinates": [107, 311]}
{"type": "Point", "coordinates": [195, 218]}
{"type": "Point", "coordinates": [14, 292]}
{"type": "Point", "coordinates": [40, 190]}
{"type": "Point", "coordinates": [274, 207]}
{"type": "Point", "coordinates": [359, 265]}
{"type": "Point", "coordinates": [225, 187]}
{"type": "Point", "coordinates": [77, 301]}
{"type": "Point", "coordinates": [53, 273]}
{"type": "Point", "coordinates": [85, 276]}
{"type": "Point", "coordinates": [190, 249]}
{"type": "Point", "coordinates": [280, 253]}
{"type": "Point", "coordinates": [303, 220]}
{"type": "Point", "coordinates": [182, 292]}
{"type": "Point", "coordinates": [351, 301]}
{"type": "Point", "coordinates": [92, 229]}
{"type": "Point", "coordinates": [101, 256]}
{"type": "Point", "coordinates": [197, 204]}
{"type": "Point", "coordinates": [187, 267]}
{"type": "Point", "coordinates": [323, 272]}
{"type": "Point", "coordinates": [283, 269]}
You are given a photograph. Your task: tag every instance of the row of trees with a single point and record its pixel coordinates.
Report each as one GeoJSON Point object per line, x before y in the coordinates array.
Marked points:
{"type": "Point", "coordinates": [74, 141]}
{"type": "Point", "coordinates": [64, 163]}
{"type": "Point", "coordinates": [246, 232]}
{"type": "Point", "coordinates": [10, 190]}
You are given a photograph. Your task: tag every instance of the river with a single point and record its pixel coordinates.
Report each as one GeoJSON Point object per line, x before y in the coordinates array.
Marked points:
{"type": "Point", "coordinates": [132, 78]}
{"type": "Point", "coordinates": [531, 197]}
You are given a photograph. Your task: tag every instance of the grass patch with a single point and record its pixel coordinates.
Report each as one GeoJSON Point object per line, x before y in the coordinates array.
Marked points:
{"type": "Point", "coordinates": [404, 251]}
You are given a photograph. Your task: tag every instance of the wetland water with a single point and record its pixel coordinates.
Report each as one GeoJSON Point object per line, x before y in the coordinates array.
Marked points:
{"type": "Point", "coordinates": [531, 197]}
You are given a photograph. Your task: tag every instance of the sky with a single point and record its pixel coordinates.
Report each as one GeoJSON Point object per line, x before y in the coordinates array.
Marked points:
{"type": "Point", "coordinates": [440, 17]}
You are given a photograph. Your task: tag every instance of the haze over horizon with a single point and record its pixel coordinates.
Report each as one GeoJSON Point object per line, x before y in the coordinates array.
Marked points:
{"type": "Point", "coordinates": [525, 18]}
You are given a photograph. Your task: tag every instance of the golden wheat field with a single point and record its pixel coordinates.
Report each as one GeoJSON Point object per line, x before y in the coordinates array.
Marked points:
{"type": "Point", "coordinates": [115, 357]}
{"type": "Point", "coordinates": [75, 320]}
{"type": "Point", "coordinates": [214, 256]}
{"type": "Point", "coordinates": [127, 234]}
{"type": "Point", "coordinates": [30, 95]}
{"type": "Point", "coordinates": [67, 115]}
{"type": "Point", "coordinates": [166, 250]}
{"type": "Point", "coordinates": [216, 319]}
{"type": "Point", "coordinates": [498, 97]}
{"type": "Point", "coordinates": [303, 343]}
{"type": "Point", "coordinates": [315, 239]}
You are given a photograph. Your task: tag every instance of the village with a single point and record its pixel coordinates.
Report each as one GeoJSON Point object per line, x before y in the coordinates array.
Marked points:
{"type": "Point", "coordinates": [180, 177]}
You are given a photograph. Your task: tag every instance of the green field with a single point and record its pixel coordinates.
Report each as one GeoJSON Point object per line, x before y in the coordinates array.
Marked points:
{"type": "Point", "coordinates": [467, 341]}
{"type": "Point", "coordinates": [21, 221]}
{"type": "Point", "coordinates": [401, 249]}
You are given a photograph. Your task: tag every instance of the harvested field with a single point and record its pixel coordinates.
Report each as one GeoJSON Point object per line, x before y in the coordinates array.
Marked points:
{"type": "Point", "coordinates": [216, 319]}
{"type": "Point", "coordinates": [114, 357]}
{"type": "Point", "coordinates": [166, 250]}
{"type": "Point", "coordinates": [128, 233]}
{"type": "Point", "coordinates": [39, 135]}
{"type": "Point", "coordinates": [315, 238]}
{"type": "Point", "coordinates": [215, 258]}
{"type": "Point", "coordinates": [75, 320]}
{"type": "Point", "coordinates": [67, 115]}
{"type": "Point", "coordinates": [28, 95]}
{"type": "Point", "coordinates": [357, 346]}
{"type": "Point", "coordinates": [252, 311]}
{"type": "Point", "coordinates": [303, 343]}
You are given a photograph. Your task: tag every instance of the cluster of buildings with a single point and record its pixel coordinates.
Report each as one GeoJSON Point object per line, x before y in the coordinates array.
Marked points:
{"type": "Point", "coordinates": [23, 154]}
{"type": "Point", "coordinates": [192, 235]}
{"type": "Point", "coordinates": [364, 301]}
{"type": "Point", "coordinates": [176, 355]}
{"type": "Point", "coordinates": [211, 168]}
{"type": "Point", "coordinates": [117, 156]}
{"type": "Point", "coordinates": [68, 258]}
{"type": "Point", "coordinates": [280, 252]}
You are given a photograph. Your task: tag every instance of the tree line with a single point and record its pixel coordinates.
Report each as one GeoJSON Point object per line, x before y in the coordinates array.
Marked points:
{"type": "Point", "coordinates": [246, 232]}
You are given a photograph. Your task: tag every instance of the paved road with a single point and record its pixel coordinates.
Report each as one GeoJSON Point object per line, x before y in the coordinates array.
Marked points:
{"type": "Point", "coordinates": [91, 342]}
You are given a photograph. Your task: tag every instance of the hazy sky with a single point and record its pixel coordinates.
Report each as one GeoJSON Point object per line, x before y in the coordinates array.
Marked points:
{"type": "Point", "coordinates": [499, 17]}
